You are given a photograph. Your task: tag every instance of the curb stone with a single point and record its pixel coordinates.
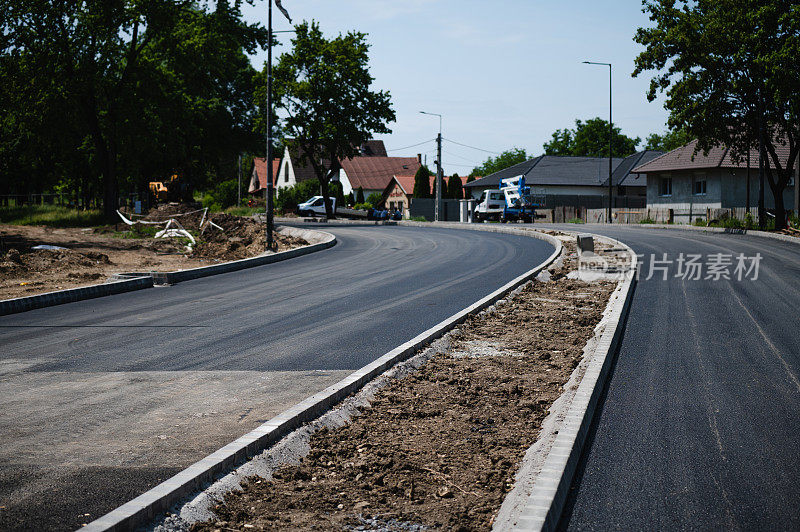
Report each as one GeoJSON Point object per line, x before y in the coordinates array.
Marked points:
{"type": "Point", "coordinates": [59, 297]}
{"type": "Point", "coordinates": [542, 484]}
{"type": "Point", "coordinates": [147, 506]}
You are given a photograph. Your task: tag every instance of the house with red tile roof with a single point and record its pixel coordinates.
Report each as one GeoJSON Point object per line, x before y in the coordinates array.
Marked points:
{"type": "Point", "coordinates": [373, 174]}
{"type": "Point", "coordinates": [400, 190]}
{"type": "Point", "coordinates": [371, 170]}
{"type": "Point", "coordinates": [258, 177]}
{"type": "Point", "coordinates": [689, 181]}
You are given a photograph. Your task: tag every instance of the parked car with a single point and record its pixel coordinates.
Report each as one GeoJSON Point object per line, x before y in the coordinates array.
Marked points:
{"type": "Point", "coordinates": [314, 206]}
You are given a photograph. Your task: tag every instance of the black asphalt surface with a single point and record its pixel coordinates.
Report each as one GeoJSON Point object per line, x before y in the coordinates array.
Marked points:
{"type": "Point", "coordinates": [700, 426]}
{"type": "Point", "coordinates": [336, 309]}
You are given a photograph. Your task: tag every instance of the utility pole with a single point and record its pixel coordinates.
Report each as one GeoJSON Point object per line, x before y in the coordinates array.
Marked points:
{"type": "Point", "coordinates": [610, 139]}
{"type": "Point", "coordinates": [268, 188]}
{"type": "Point", "coordinates": [762, 222]}
{"type": "Point", "coordinates": [437, 209]}
{"type": "Point", "coordinates": [239, 188]}
{"type": "Point", "coordinates": [438, 198]}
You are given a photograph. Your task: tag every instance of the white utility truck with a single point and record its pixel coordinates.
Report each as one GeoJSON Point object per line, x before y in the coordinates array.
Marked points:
{"type": "Point", "coordinates": [511, 202]}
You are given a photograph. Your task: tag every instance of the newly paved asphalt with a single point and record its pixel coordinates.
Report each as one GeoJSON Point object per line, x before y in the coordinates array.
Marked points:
{"type": "Point", "coordinates": [85, 420]}
{"type": "Point", "coordinates": [700, 427]}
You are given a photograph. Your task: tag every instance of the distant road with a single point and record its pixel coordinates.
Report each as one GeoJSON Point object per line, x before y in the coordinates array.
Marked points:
{"type": "Point", "coordinates": [102, 399]}
{"type": "Point", "coordinates": [701, 425]}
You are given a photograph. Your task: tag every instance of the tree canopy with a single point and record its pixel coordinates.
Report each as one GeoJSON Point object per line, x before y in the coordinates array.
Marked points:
{"type": "Point", "coordinates": [455, 188]}
{"type": "Point", "coordinates": [730, 72]}
{"type": "Point", "coordinates": [590, 139]}
{"type": "Point", "coordinates": [110, 95]}
{"type": "Point", "coordinates": [500, 162]}
{"type": "Point", "coordinates": [422, 183]}
{"type": "Point", "coordinates": [671, 140]}
{"type": "Point", "coordinates": [323, 87]}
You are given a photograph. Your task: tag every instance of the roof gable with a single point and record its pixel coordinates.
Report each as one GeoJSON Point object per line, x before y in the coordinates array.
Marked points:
{"type": "Point", "coordinates": [374, 173]}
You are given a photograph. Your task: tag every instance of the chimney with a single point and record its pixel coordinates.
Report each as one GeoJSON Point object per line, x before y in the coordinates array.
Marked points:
{"type": "Point", "coordinates": [419, 158]}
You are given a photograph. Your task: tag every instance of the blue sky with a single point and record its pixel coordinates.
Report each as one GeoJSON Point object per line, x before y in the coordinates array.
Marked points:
{"type": "Point", "coordinates": [503, 74]}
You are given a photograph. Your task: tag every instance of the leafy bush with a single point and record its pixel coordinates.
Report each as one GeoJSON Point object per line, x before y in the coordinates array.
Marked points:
{"type": "Point", "coordinates": [362, 206]}
{"type": "Point", "coordinates": [749, 221]}
{"type": "Point", "coordinates": [351, 200]}
{"type": "Point", "coordinates": [574, 221]}
{"type": "Point", "coordinates": [418, 219]}
{"type": "Point", "coordinates": [699, 222]}
{"type": "Point", "coordinates": [647, 221]}
{"type": "Point", "coordinates": [375, 199]}
{"type": "Point", "coordinates": [359, 195]}
{"type": "Point", "coordinates": [222, 196]}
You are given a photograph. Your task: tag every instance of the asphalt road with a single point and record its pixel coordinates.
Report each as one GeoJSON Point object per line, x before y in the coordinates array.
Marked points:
{"type": "Point", "coordinates": [700, 427]}
{"type": "Point", "coordinates": [101, 399]}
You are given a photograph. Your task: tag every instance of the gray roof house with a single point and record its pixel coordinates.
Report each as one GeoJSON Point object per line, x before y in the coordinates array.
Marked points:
{"type": "Point", "coordinates": [572, 181]}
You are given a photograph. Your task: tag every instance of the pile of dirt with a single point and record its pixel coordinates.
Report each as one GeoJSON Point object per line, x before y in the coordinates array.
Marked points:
{"type": "Point", "coordinates": [48, 260]}
{"type": "Point", "coordinates": [239, 238]}
{"type": "Point", "coordinates": [440, 447]}
{"type": "Point", "coordinates": [189, 215]}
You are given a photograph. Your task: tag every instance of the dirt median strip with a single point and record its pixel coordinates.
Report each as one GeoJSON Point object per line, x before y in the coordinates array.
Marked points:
{"type": "Point", "coordinates": [438, 448]}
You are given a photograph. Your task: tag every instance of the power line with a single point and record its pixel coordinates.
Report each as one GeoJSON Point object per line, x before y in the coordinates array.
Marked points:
{"type": "Point", "coordinates": [413, 145]}
{"type": "Point", "coordinates": [463, 158]}
{"type": "Point", "coordinates": [472, 147]}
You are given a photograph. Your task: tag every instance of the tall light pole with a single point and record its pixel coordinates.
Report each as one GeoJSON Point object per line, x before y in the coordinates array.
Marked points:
{"type": "Point", "coordinates": [438, 199]}
{"type": "Point", "coordinates": [610, 137]}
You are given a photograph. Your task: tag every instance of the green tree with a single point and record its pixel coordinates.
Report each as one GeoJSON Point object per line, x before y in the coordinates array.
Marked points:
{"type": "Point", "coordinates": [125, 92]}
{"type": "Point", "coordinates": [422, 183]}
{"type": "Point", "coordinates": [501, 162]}
{"type": "Point", "coordinates": [359, 195]}
{"type": "Point", "coordinates": [324, 87]}
{"type": "Point", "coordinates": [470, 178]}
{"type": "Point", "coordinates": [730, 72]}
{"type": "Point", "coordinates": [455, 188]}
{"type": "Point", "coordinates": [375, 199]}
{"type": "Point", "coordinates": [671, 140]}
{"type": "Point", "coordinates": [590, 139]}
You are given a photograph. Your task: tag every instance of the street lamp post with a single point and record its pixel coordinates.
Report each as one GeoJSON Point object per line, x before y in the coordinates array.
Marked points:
{"type": "Point", "coordinates": [610, 137]}
{"type": "Point", "coordinates": [438, 199]}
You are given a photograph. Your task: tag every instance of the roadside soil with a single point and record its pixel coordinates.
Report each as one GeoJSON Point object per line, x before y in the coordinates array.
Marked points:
{"type": "Point", "coordinates": [93, 255]}
{"type": "Point", "coordinates": [439, 448]}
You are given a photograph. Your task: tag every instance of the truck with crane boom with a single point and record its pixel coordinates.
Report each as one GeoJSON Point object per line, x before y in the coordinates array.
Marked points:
{"type": "Point", "coordinates": [512, 202]}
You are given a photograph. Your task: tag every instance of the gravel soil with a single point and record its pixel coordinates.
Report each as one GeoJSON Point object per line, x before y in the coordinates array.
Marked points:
{"type": "Point", "coordinates": [93, 255]}
{"type": "Point", "coordinates": [437, 449]}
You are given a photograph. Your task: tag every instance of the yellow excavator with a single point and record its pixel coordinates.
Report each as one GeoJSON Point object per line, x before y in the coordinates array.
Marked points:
{"type": "Point", "coordinates": [161, 189]}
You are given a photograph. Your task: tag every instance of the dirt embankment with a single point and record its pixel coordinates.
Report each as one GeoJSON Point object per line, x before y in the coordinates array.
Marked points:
{"type": "Point", "coordinates": [93, 255]}
{"type": "Point", "coordinates": [439, 448]}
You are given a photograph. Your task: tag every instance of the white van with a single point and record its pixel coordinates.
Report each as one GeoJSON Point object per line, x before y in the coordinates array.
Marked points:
{"type": "Point", "coordinates": [315, 206]}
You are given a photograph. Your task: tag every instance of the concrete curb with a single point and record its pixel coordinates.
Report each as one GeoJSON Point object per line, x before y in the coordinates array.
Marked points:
{"type": "Point", "coordinates": [128, 282]}
{"type": "Point", "coordinates": [150, 504]}
{"type": "Point", "coordinates": [728, 230]}
{"type": "Point", "coordinates": [540, 507]}
{"type": "Point", "coordinates": [325, 241]}
{"type": "Point", "coordinates": [23, 304]}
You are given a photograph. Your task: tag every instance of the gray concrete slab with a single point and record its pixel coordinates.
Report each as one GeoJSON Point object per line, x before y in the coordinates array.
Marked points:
{"type": "Point", "coordinates": [109, 370]}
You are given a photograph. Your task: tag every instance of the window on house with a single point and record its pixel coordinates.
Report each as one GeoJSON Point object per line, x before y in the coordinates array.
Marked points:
{"type": "Point", "coordinates": [699, 186]}
{"type": "Point", "coordinates": [286, 172]}
{"type": "Point", "coordinates": [665, 186]}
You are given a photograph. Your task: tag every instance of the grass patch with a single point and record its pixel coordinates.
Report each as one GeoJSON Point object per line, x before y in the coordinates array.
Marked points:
{"type": "Point", "coordinates": [418, 219]}
{"type": "Point", "coordinates": [243, 211]}
{"type": "Point", "coordinates": [647, 221]}
{"type": "Point", "coordinates": [574, 221]}
{"type": "Point", "coordinates": [50, 215]}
